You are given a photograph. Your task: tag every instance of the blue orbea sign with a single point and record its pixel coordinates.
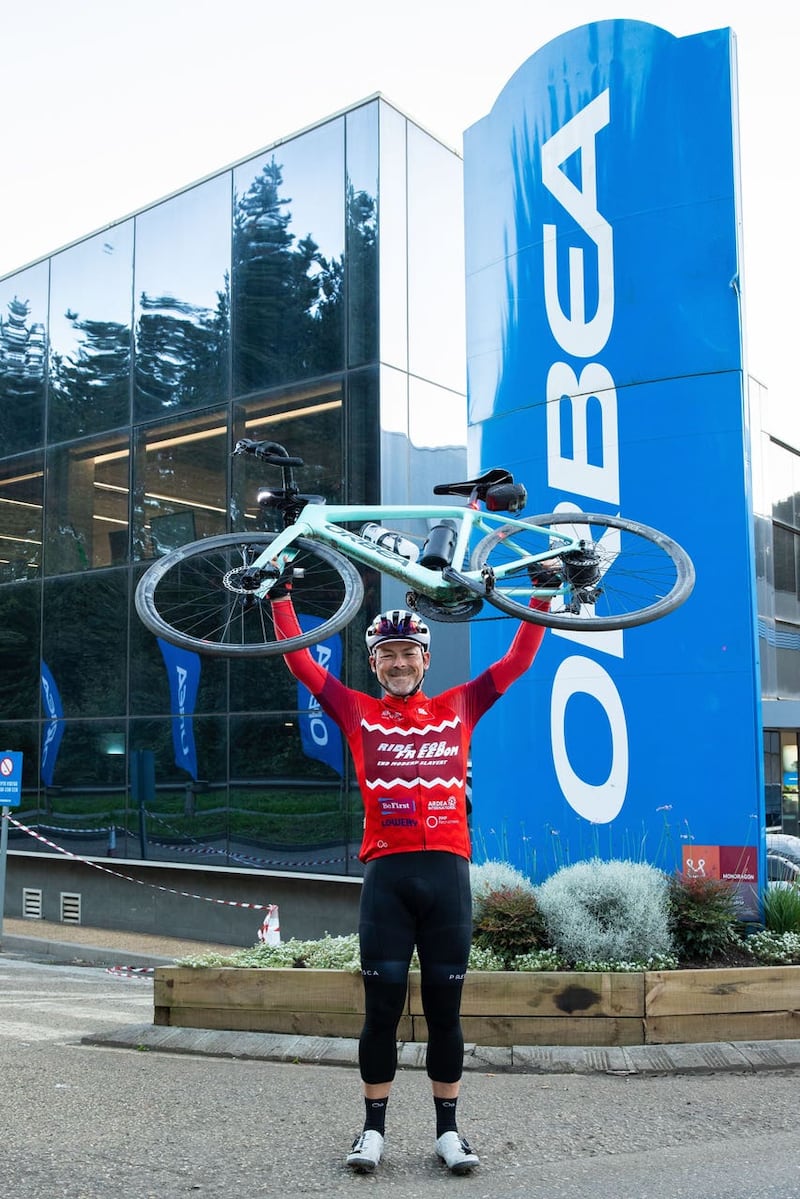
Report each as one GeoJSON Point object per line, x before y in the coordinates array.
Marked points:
{"type": "Point", "coordinates": [606, 371]}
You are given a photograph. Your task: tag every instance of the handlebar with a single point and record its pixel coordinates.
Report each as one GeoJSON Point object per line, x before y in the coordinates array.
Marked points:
{"type": "Point", "coordinates": [268, 451]}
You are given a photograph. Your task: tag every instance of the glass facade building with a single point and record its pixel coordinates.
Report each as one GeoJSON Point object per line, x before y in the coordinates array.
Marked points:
{"type": "Point", "coordinates": [311, 295]}
{"type": "Point", "coordinates": [776, 503]}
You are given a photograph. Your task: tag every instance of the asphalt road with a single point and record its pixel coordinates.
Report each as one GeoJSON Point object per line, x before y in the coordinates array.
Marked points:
{"type": "Point", "coordinates": [84, 1122]}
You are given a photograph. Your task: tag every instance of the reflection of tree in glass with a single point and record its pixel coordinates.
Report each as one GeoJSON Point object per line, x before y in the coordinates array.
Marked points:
{"type": "Point", "coordinates": [181, 352]}
{"type": "Point", "coordinates": [22, 370]}
{"type": "Point", "coordinates": [287, 296]}
{"type": "Point", "coordinates": [81, 623]}
{"type": "Point", "coordinates": [19, 651]}
{"type": "Point", "coordinates": [362, 275]}
{"type": "Point", "coordinates": [91, 385]}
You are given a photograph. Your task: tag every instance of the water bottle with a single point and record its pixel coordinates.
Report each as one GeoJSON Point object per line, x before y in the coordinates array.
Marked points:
{"type": "Point", "coordinates": [389, 540]}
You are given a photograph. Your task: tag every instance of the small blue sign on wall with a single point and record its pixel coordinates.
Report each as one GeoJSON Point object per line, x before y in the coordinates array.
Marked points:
{"type": "Point", "coordinates": [10, 778]}
{"type": "Point", "coordinates": [605, 370]}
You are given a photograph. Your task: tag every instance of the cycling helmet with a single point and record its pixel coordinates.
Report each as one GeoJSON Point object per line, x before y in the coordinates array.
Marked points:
{"type": "Point", "coordinates": [398, 625]}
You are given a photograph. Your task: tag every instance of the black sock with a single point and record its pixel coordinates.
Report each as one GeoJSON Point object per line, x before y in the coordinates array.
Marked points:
{"type": "Point", "coordinates": [445, 1115]}
{"type": "Point", "coordinates": [376, 1114]}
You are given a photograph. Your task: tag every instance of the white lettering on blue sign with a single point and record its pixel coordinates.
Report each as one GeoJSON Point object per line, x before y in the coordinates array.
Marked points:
{"type": "Point", "coordinates": [584, 337]}
{"type": "Point", "coordinates": [52, 727]}
{"type": "Point", "coordinates": [182, 675]}
{"type": "Point", "coordinates": [317, 725]}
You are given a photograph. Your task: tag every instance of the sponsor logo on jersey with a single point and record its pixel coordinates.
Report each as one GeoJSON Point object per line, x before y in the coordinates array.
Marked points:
{"type": "Point", "coordinates": [387, 805]}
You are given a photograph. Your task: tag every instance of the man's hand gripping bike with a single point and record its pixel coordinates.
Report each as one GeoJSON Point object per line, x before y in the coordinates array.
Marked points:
{"type": "Point", "coordinates": [599, 572]}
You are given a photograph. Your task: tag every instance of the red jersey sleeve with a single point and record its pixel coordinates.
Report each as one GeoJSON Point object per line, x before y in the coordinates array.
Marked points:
{"type": "Point", "coordinates": [475, 698]}
{"type": "Point", "coordinates": [341, 703]}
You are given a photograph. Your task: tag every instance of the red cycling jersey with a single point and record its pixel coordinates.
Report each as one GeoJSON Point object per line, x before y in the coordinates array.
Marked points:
{"type": "Point", "coordinates": [410, 753]}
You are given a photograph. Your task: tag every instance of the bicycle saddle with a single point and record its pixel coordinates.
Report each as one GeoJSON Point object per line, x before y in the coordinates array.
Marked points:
{"type": "Point", "coordinates": [478, 486]}
{"type": "Point", "coordinates": [268, 451]}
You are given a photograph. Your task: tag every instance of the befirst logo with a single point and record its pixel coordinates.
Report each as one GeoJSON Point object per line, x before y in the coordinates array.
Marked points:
{"type": "Point", "coordinates": [583, 337]}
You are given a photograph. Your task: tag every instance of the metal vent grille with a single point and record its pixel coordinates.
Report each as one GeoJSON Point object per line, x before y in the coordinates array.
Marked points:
{"type": "Point", "coordinates": [70, 907]}
{"type": "Point", "coordinates": [31, 904]}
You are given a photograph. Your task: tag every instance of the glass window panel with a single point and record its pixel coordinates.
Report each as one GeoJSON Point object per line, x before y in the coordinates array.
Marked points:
{"type": "Point", "coordinates": [87, 505]}
{"type": "Point", "coordinates": [362, 234]}
{"type": "Point", "coordinates": [181, 288]}
{"type": "Point", "coordinates": [23, 350]}
{"type": "Point", "coordinates": [392, 240]}
{"type": "Point", "coordinates": [436, 303]}
{"type": "Point", "coordinates": [149, 681]}
{"type": "Point", "coordinates": [181, 472]}
{"type": "Point", "coordinates": [288, 247]}
{"type": "Point", "coordinates": [84, 642]}
{"type": "Point", "coordinates": [783, 484]}
{"type": "Point", "coordinates": [21, 485]}
{"type": "Point", "coordinates": [294, 808]}
{"type": "Point", "coordinates": [88, 796]}
{"type": "Point", "coordinates": [396, 481]}
{"type": "Point", "coordinates": [788, 662]}
{"type": "Point", "coordinates": [785, 545]}
{"type": "Point", "coordinates": [308, 422]}
{"type": "Point", "coordinates": [185, 817]}
{"type": "Point", "coordinates": [262, 684]}
{"type": "Point", "coordinates": [90, 335]}
{"type": "Point", "coordinates": [784, 573]}
{"type": "Point", "coordinates": [362, 437]}
{"type": "Point", "coordinates": [19, 650]}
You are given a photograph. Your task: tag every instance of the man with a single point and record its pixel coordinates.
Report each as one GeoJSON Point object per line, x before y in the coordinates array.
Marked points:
{"type": "Point", "coordinates": [410, 754]}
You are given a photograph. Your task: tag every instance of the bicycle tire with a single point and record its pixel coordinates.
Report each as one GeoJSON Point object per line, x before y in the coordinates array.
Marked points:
{"type": "Point", "coordinates": [645, 577]}
{"type": "Point", "coordinates": [189, 597]}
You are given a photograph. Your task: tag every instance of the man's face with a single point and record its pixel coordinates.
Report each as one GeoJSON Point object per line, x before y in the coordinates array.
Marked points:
{"type": "Point", "coordinates": [400, 666]}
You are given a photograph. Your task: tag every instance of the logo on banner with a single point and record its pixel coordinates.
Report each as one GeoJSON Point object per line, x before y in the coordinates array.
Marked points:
{"type": "Point", "coordinates": [183, 672]}
{"type": "Point", "coordinates": [319, 735]}
{"type": "Point", "coordinates": [53, 727]}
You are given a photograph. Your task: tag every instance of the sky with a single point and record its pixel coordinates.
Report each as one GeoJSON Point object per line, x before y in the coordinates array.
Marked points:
{"type": "Point", "coordinates": [110, 106]}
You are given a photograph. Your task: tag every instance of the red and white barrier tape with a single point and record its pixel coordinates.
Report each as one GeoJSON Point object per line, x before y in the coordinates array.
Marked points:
{"type": "Point", "coordinates": [233, 903]}
{"type": "Point", "coordinates": [201, 849]}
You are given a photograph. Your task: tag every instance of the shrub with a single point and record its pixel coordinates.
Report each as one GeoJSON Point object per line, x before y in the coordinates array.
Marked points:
{"type": "Point", "coordinates": [494, 876]}
{"type": "Point", "coordinates": [509, 923]}
{"type": "Point", "coordinates": [607, 911]}
{"type": "Point", "coordinates": [702, 916]}
{"type": "Point", "coordinates": [782, 909]}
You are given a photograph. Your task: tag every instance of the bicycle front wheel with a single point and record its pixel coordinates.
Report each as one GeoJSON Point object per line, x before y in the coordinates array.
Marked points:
{"type": "Point", "coordinates": [196, 597]}
{"type": "Point", "coordinates": [642, 574]}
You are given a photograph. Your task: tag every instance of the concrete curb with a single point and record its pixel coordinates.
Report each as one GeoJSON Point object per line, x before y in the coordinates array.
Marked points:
{"type": "Point", "coordinates": [67, 953]}
{"type": "Point", "coordinates": [744, 1058]}
{"type": "Point", "coordinates": [708, 1058]}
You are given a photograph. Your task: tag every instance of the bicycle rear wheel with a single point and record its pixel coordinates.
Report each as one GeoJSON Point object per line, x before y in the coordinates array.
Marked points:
{"type": "Point", "coordinates": [643, 574]}
{"type": "Point", "coordinates": [194, 597]}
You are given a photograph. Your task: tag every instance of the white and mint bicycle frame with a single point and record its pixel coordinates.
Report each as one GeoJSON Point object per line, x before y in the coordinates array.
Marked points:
{"type": "Point", "coordinates": [600, 571]}
{"type": "Point", "coordinates": [325, 523]}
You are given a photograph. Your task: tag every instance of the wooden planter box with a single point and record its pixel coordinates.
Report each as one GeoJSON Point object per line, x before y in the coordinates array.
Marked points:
{"type": "Point", "coordinates": [652, 1008]}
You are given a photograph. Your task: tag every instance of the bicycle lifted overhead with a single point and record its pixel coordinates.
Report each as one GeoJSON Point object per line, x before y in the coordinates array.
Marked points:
{"type": "Point", "coordinates": [600, 572]}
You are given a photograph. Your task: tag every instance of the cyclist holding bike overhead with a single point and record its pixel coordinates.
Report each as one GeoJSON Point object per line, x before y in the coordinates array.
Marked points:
{"type": "Point", "coordinates": [410, 754]}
